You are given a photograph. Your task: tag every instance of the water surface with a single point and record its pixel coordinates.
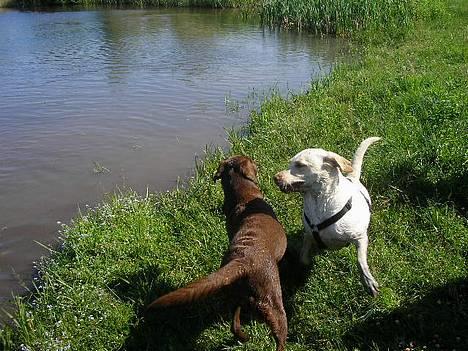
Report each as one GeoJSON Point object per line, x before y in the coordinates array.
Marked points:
{"type": "Point", "coordinates": [94, 100]}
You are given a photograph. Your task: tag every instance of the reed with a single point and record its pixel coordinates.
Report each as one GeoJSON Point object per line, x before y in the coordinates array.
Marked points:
{"type": "Point", "coordinates": [339, 16]}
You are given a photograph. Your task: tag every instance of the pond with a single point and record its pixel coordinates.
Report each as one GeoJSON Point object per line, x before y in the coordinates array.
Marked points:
{"type": "Point", "coordinates": [94, 101]}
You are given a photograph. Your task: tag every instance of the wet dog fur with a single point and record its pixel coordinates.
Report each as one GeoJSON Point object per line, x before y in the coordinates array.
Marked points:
{"type": "Point", "coordinates": [250, 267]}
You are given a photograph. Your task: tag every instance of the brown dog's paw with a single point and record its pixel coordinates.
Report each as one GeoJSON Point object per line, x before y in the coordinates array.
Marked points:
{"type": "Point", "coordinates": [242, 337]}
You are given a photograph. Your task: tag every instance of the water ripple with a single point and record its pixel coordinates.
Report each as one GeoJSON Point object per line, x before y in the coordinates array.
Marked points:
{"type": "Point", "coordinates": [138, 91]}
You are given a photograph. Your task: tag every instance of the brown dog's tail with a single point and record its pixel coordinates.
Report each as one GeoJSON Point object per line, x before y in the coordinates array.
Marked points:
{"type": "Point", "coordinates": [203, 287]}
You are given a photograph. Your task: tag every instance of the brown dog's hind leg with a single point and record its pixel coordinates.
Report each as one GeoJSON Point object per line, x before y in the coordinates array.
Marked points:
{"type": "Point", "coordinates": [236, 326]}
{"type": "Point", "coordinates": [275, 318]}
{"type": "Point", "coordinates": [269, 301]}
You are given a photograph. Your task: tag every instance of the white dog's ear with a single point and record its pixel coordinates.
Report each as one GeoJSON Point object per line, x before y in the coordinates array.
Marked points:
{"type": "Point", "coordinates": [336, 160]}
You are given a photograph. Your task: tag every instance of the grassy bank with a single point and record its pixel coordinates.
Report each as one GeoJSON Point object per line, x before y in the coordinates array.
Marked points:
{"type": "Point", "coordinates": [412, 92]}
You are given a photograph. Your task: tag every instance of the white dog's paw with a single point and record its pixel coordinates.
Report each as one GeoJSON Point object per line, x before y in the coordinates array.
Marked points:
{"type": "Point", "coordinates": [372, 286]}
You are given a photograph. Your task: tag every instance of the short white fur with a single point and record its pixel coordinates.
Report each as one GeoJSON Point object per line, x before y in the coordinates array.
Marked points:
{"type": "Point", "coordinates": [318, 175]}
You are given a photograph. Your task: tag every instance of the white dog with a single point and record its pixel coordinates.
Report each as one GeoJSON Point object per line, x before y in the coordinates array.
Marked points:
{"type": "Point", "coordinates": [336, 207]}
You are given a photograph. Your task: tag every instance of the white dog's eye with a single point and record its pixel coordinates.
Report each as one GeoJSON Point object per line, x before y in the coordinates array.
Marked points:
{"type": "Point", "coordinates": [299, 164]}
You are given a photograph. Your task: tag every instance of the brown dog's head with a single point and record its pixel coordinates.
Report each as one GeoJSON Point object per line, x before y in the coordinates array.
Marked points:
{"type": "Point", "coordinates": [242, 165]}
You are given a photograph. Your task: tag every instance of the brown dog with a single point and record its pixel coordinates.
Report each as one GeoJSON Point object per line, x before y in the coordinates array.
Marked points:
{"type": "Point", "coordinates": [250, 267]}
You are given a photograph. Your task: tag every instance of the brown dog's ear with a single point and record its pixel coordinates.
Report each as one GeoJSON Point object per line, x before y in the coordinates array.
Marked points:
{"type": "Point", "coordinates": [248, 169]}
{"type": "Point", "coordinates": [336, 160]}
{"type": "Point", "coordinates": [220, 170]}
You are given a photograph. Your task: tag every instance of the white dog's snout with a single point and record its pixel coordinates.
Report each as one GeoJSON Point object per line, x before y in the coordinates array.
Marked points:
{"type": "Point", "coordinates": [287, 182]}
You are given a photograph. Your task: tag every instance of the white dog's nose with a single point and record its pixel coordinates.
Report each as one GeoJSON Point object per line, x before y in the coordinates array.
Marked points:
{"type": "Point", "coordinates": [277, 178]}
{"type": "Point", "coordinates": [280, 180]}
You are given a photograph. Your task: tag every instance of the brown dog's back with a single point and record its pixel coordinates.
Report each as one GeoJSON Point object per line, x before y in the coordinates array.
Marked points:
{"type": "Point", "coordinates": [257, 244]}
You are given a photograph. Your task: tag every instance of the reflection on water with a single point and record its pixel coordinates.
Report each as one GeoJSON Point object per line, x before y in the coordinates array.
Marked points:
{"type": "Point", "coordinates": [91, 100]}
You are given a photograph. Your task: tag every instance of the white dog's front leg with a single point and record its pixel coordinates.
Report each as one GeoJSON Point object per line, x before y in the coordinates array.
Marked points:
{"type": "Point", "coordinates": [367, 278]}
{"type": "Point", "coordinates": [305, 251]}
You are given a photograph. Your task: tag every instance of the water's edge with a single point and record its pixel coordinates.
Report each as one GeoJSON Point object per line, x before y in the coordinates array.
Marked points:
{"type": "Point", "coordinates": [129, 116]}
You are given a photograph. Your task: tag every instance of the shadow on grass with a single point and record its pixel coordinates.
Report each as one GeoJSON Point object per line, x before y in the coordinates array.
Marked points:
{"type": "Point", "coordinates": [293, 273]}
{"type": "Point", "coordinates": [415, 187]}
{"type": "Point", "coordinates": [174, 328]}
{"type": "Point", "coordinates": [177, 328]}
{"type": "Point", "coordinates": [438, 320]}
{"type": "Point", "coordinates": [294, 276]}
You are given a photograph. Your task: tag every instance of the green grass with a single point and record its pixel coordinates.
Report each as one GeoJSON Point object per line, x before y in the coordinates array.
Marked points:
{"type": "Point", "coordinates": [339, 16]}
{"type": "Point", "coordinates": [411, 92]}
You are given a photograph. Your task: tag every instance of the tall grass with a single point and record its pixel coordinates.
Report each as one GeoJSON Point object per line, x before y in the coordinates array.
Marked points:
{"type": "Point", "coordinates": [338, 16]}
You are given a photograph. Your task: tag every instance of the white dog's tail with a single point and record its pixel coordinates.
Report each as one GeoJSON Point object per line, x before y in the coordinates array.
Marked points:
{"type": "Point", "coordinates": [359, 156]}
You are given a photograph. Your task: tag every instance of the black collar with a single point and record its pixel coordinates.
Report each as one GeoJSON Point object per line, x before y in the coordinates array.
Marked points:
{"type": "Point", "coordinates": [326, 223]}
